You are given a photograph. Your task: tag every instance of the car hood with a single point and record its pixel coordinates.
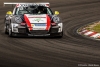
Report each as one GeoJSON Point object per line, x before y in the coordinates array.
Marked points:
{"type": "Point", "coordinates": [34, 19]}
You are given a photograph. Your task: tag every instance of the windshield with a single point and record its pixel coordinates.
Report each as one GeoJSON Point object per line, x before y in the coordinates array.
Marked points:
{"type": "Point", "coordinates": [33, 10]}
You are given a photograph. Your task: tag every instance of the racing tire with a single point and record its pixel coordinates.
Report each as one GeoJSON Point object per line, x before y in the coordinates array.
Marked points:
{"type": "Point", "coordinates": [11, 34]}
{"type": "Point", "coordinates": [58, 35]}
{"type": "Point", "coordinates": [5, 29]}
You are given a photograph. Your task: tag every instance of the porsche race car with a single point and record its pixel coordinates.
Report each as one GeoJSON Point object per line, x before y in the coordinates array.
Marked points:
{"type": "Point", "coordinates": [32, 19]}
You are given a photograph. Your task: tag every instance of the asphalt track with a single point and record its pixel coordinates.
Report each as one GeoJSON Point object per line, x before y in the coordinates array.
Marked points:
{"type": "Point", "coordinates": [68, 51]}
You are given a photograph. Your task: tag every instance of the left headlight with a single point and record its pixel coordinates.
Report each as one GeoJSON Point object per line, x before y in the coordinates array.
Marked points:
{"type": "Point", "coordinates": [56, 19]}
{"type": "Point", "coordinates": [18, 19]}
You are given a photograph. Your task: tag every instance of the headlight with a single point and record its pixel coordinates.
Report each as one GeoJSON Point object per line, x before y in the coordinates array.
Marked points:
{"type": "Point", "coordinates": [56, 19]}
{"type": "Point", "coordinates": [18, 19]}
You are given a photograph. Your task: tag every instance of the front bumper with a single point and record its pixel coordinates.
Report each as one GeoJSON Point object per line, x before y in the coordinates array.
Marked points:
{"type": "Point", "coordinates": [24, 30]}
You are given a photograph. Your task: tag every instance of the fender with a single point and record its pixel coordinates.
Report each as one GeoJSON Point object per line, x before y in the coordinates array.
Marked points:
{"type": "Point", "coordinates": [61, 27]}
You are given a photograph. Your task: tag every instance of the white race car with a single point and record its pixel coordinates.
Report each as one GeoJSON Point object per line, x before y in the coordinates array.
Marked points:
{"type": "Point", "coordinates": [32, 19]}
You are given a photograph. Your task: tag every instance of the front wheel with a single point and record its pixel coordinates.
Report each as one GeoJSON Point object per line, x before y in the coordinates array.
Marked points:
{"type": "Point", "coordinates": [11, 34]}
{"type": "Point", "coordinates": [5, 29]}
{"type": "Point", "coordinates": [59, 35]}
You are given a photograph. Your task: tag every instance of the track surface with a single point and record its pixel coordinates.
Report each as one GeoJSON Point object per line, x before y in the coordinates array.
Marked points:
{"type": "Point", "coordinates": [68, 51]}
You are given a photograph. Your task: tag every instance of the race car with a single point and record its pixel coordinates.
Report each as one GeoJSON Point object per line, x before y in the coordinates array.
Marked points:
{"type": "Point", "coordinates": [32, 19]}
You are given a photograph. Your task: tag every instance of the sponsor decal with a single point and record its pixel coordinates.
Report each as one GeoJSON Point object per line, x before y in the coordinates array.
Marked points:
{"type": "Point", "coordinates": [32, 25]}
{"type": "Point", "coordinates": [35, 4]}
{"type": "Point", "coordinates": [38, 28]}
{"type": "Point", "coordinates": [40, 24]}
{"type": "Point", "coordinates": [38, 19]}
{"type": "Point", "coordinates": [30, 4]}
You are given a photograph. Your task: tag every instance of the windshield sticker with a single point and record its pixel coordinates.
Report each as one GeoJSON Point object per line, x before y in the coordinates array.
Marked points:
{"type": "Point", "coordinates": [26, 5]}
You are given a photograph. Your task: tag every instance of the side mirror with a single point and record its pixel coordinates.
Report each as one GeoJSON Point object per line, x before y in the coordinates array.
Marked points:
{"type": "Point", "coordinates": [9, 13]}
{"type": "Point", "coordinates": [56, 12]}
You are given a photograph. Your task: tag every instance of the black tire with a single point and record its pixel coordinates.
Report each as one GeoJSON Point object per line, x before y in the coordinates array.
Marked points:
{"type": "Point", "coordinates": [58, 35]}
{"type": "Point", "coordinates": [5, 29]}
{"type": "Point", "coordinates": [10, 32]}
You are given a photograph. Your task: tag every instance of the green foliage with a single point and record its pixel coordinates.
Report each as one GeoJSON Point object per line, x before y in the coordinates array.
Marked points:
{"type": "Point", "coordinates": [96, 28]}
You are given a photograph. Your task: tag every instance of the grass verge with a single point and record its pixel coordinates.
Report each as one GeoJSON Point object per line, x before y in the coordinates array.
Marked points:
{"type": "Point", "coordinates": [94, 27]}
